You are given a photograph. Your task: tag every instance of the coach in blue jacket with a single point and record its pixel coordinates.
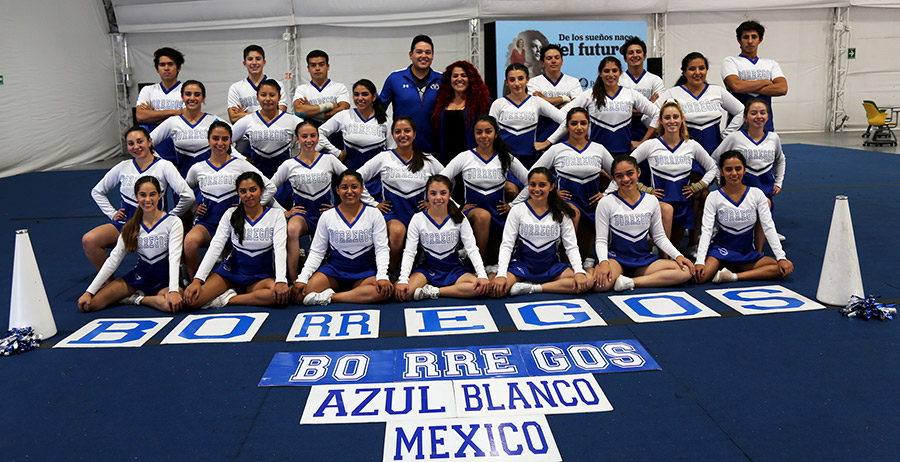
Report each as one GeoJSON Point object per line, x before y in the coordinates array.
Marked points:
{"type": "Point", "coordinates": [413, 90]}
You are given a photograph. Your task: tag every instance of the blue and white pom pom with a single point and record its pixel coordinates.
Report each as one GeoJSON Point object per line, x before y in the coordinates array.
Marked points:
{"type": "Point", "coordinates": [19, 341]}
{"type": "Point", "coordinates": [867, 308]}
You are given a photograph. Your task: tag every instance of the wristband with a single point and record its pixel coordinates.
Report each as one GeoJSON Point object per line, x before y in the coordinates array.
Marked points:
{"type": "Point", "coordinates": [325, 107]}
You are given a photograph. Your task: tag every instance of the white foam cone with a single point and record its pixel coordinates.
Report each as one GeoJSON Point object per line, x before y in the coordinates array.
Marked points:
{"type": "Point", "coordinates": [840, 277]}
{"type": "Point", "coordinates": [28, 304]}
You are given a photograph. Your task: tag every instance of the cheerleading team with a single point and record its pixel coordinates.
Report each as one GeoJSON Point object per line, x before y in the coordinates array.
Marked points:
{"type": "Point", "coordinates": [348, 257]}
{"type": "Point", "coordinates": [484, 171]}
{"type": "Point", "coordinates": [735, 209]}
{"type": "Point", "coordinates": [255, 267]}
{"type": "Point", "coordinates": [156, 237]}
{"type": "Point", "coordinates": [439, 231]}
{"type": "Point", "coordinates": [215, 177]}
{"type": "Point", "coordinates": [623, 221]}
{"type": "Point", "coordinates": [187, 131]}
{"type": "Point", "coordinates": [125, 174]}
{"type": "Point", "coordinates": [311, 176]}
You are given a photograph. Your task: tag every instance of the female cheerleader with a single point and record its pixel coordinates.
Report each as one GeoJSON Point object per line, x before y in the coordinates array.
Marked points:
{"type": "Point", "coordinates": [762, 151]}
{"type": "Point", "coordinates": [256, 262]}
{"type": "Point", "coordinates": [125, 174]}
{"type": "Point", "coordinates": [461, 98]}
{"type": "Point", "coordinates": [517, 115]}
{"type": "Point", "coordinates": [402, 172]}
{"type": "Point", "coordinates": [484, 171]}
{"type": "Point", "coordinates": [534, 229]}
{"type": "Point", "coordinates": [216, 178]}
{"type": "Point", "coordinates": [735, 207]}
{"type": "Point", "coordinates": [156, 237]}
{"type": "Point", "coordinates": [365, 130]}
{"type": "Point", "coordinates": [580, 166]}
{"type": "Point", "coordinates": [440, 229]}
{"type": "Point", "coordinates": [623, 220]}
{"type": "Point", "coordinates": [610, 106]}
{"type": "Point", "coordinates": [311, 176]}
{"type": "Point", "coordinates": [189, 130]}
{"type": "Point", "coordinates": [671, 157]}
{"type": "Point", "coordinates": [354, 238]}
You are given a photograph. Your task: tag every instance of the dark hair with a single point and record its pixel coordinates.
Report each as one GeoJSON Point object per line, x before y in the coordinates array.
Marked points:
{"type": "Point", "coordinates": [577, 110]}
{"type": "Point", "coordinates": [142, 129]}
{"type": "Point", "coordinates": [622, 158]}
{"type": "Point", "coordinates": [687, 60]}
{"type": "Point", "coordinates": [255, 48]}
{"type": "Point", "coordinates": [269, 83]}
{"type": "Point", "coordinates": [380, 112]}
{"type": "Point", "coordinates": [478, 97]}
{"type": "Point", "coordinates": [751, 102]}
{"type": "Point", "coordinates": [500, 147]}
{"type": "Point", "coordinates": [623, 50]}
{"type": "Point", "coordinates": [418, 158]}
{"type": "Point", "coordinates": [548, 47]}
{"type": "Point", "coordinates": [557, 206]}
{"type": "Point", "coordinates": [599, 91]}
{"type": "Point", "coordinates": [133, 226]}
{"type": "Point", "coordinates": [220, 124]}
{"type": "Point", "coordinates": [452, 209]}
{"type": "Point", "coordinates": [316, 54]}
{"type": "Point", "coordinates": [748, 26]}
{"type": "Point", "coordinates": [303, 124]}
{"type": "Point", "coordinates": [420, 38]}
{"type": "Point", "coordinates": [346, 173]}
{"type": "Point", "coordinates": [730, 154]}
{"type": "Point", "coordinates": [170, 53]}
{"type": "Point", "coordinates": [237, 218]}
{"type": "Point", "coordinates": [193, 82]}
{"type": "Point", "coordinates": [516, 67]}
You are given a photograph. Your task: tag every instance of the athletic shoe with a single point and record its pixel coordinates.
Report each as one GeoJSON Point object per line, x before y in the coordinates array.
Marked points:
{"type": "Point", "coordinates": [426, 291]}
{"type": "Point", "coordinates": [491, 269]}
{"type": "Point", "coordinates": [781, 237]}
{"type": "Point", "coordinates": [318, 298]}
{"type": "Point", "coordinates": [521, 288]}
{"type": "Point", "coordinates": [589, 263]}
{"type": "Point", "coordinates": [691, 252]}
{"type": "Point", "coordinates": [623, 283]}
{"type": "Point", "coordinates": [133, 299]}
{"type": "Point", "coordinates": [462, 254]}
{"type": "Point", "coordinates": [183, 278]}
{"type": "Point", "coordinates": [724, 275]}
{"type": "Point", "coordinates": [221, 300]}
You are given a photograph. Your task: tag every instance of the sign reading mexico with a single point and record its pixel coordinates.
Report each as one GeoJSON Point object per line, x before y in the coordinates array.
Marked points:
{"type": "Point", "coordinates": [583, 43]}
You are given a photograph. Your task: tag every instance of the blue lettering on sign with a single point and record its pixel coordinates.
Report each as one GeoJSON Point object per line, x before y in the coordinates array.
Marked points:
{"type": "Point", "coordinates": [431, 319]}
{"type": "Point", "coordinates": [458, 363]}
{"type": "Point", "coordinates": [243, 325]}
{"type": "Point", "coordinates": [789, 302]}
{"type": "Point", "coordinates": [636, 304]}
{"type": "Point", "coordinates": [136, 330]}
{"type": "Point", "coordinates": [586, 357]}
{"type": "Point", "coordinates": [575, 317]}
{"type": "Point", "coordinates": [325, 323]}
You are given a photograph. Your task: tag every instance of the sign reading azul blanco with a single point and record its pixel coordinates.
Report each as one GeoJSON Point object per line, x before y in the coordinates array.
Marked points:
{"type": "Point", "coordinates": [304, 369]}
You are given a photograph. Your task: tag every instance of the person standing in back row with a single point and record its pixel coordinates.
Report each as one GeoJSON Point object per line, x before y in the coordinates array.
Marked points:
{"type": "Point", "coordinates": [413, 90]}
{"type": "Point", "coordinates": [748, 76]}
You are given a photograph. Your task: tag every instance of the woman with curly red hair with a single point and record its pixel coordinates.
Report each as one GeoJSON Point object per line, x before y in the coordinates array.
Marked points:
{"type": "Point", "coordinates": [461, 99]}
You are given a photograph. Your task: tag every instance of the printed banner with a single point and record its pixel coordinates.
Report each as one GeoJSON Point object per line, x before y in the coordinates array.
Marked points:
{"type": "Point", "coordinates": [764, 300]}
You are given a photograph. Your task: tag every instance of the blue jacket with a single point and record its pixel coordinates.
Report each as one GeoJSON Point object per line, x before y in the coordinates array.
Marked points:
{"type": "Point", "coordinates": [400, 89]}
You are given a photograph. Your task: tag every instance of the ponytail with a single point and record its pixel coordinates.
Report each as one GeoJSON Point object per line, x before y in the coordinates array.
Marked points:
{"type": "Point", "coordinates": [133, 225]}
{"type": "Point", "coordinates": [500, 147]}
{"type": "Point", "coordinates": [684, 65]}
{"type": "Point", "coordinates": [239, 215]}
{"type": "Point", "coordinates": [377, 105]}
{"type": "Point", "coordinates": [599, 91]}
{"type": "Point", "coordinates": [452, 209]}
{"type": "Point", "coordinates": [418, 158]}
{"type": "Point", "coordinates": [557, 206]}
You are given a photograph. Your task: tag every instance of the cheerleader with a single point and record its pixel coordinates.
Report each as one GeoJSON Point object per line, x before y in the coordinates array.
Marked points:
{"type": "Point", "coordinates": [580, 166]}
{"type": "Point", "coordinates": [215, 177]}
{"type": "Point", "coordinates": [671, 157]}
{"type": "Point", "coordinates": [271, 130]}
{"type": "Point", "coordinates": [484, 171]}
{"type": "Point", "coordinates": [517, 115]}
{"type": "Point", "coordinates": [189, 130]}
{"type": "Point", "coordinates": [440, 229]}
{"type": "Point", "coordinates": [354, 238]}
{"type": "Point", "coordinates": [529, 255]}
{"type": "Point", "coordinates": [553, 86]}
{"type": "Point", "coordinates": [623, 220]}
{"type": "Point", "coordinates": [158, 102]}
{"type": "Point", "coordinates": [255, 264]}
{"type": "Point", "coordinates": [365, 131]}
{"type": "Point", "coordinates": [610, 106]}
{"type": "Point", "coordinates": [735, 207]}
{"type": "Point", "coordinates": [156, 237]}
{"type": "Point", "coordinates": [762, 150]}
{"type": "Point", "coordinates": [402, 173]}
{"type": "Point", "coordinates": [125, 174]}
{"type": "Point", "coordinates": [634, 53]}
{"type": "Point", "coordinates": [311, 177]}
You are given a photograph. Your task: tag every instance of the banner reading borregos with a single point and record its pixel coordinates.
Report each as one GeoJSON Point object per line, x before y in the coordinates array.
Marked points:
{"type": "Point", "coordinates": [584, 44]}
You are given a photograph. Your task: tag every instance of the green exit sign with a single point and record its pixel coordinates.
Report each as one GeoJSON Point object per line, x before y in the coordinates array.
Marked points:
{"type": "Point", "coordinates": [1, 80]}
{"type": "Point", "coordinates": [851, 53]}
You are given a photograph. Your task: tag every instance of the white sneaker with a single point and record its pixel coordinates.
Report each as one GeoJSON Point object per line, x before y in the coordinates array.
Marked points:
{"type": "Point", "coordinates": [623, 283]}
{"type": "Point", "coordinates": [426, 291]}
{"type": "Point", "coordinates": [521, 288]}
{"type": "Point", "coordinates": [133, 299]}
{"type": "Point", "coordinates": [491, 269]}
{"type": "Point", "coordinates": [318, 298]}
{"type": "Point", "coordinates": [724, 275]}
{"type": "Point", "coordinates": [221, 300]}
{"type": "Point", "coordinates": [462, 254]}
{"type": "Point", "coordinates": [589, 263]}
{"type": "Point", "coordinates": [781, 237]}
